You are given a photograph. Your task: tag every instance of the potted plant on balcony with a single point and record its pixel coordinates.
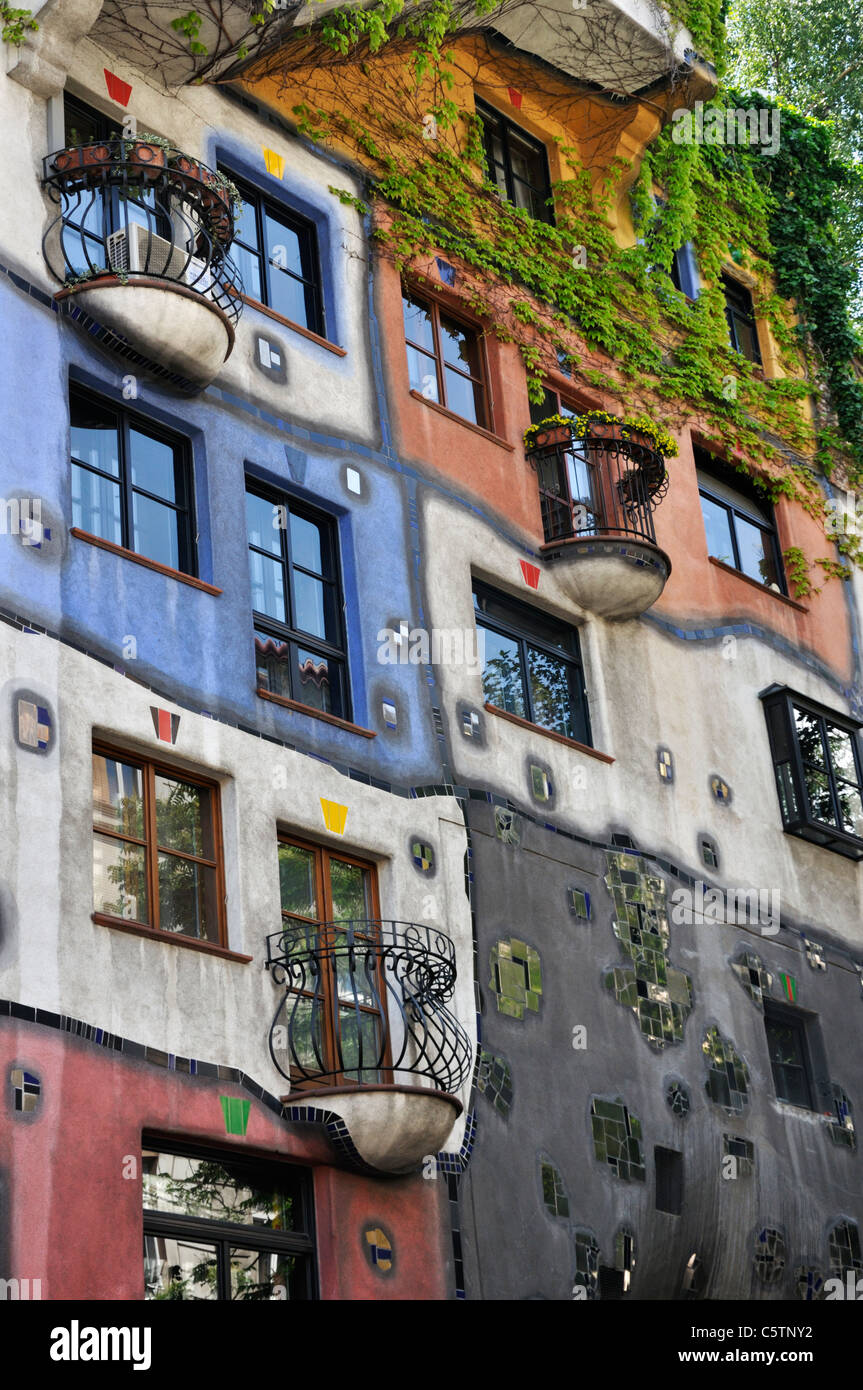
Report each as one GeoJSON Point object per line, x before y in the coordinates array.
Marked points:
{"type": "Point", "coordinates": [554, 430]}
{"type": "Point", "coordinates": [86, 157]}
{"type": "Point", "coordinates": [149, 153]}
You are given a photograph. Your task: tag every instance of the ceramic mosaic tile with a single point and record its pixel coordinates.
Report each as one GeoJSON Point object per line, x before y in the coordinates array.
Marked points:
{"type": "Point", "coordinates": [810, 1283]}
{"type": "Point", "coordinates": [494, 1081]}
{"type": "Point", "coordinates": [624, 1255]}
{"type": "Point", "coordinates": [422, 855]}
{"type": "Point", "coordinates": [506, 825]}
{"type": "Point", "coordinates": [727, 1074]}
{"type": "Point", "coordinates": [753, 976]}
{"type": "Point", "coordinates": [743, 1153]}
{"type": "Point", "coordinates": [579, 903]}
{"type": "Point", "coordinates": [665, 764]}
{"type": "Point", "coordinates": [841, 1125]}
{"type": "Point", "coordinates": [617, 1138]}
{"type": "Point", "coordinates": [379, 1250]}
{"type": "Point", "coordinates": [553, 1191]}
{"type": "Point", "coordinates": [769, 1255]}
{"type": "Point", "coordinates": [677, 1098]}
{"type": "Point", "coordinates": [814, 954]}
{"type": "Point", "coordinates": [586, 1282]}
{"type": "Point", "coordinates": [844, 1245]}
{"type": "Point", "coordinates": [659, 994]}
{"type": "Point", "coordinates": [26, 1090]}
{"type": "Point", "coordinates": [516, 977]}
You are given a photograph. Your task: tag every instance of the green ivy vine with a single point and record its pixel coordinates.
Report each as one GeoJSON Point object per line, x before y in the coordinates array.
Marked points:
{"type": "Point", "coordinates": [16, 24]}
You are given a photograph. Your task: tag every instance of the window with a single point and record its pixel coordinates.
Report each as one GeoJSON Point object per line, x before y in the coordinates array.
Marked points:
{"type": "Point", "coordinates": [569, 490]}
{"type": "Point", "coordinates": [684, 271]}
{"type": "Point", "coordinates": [98, 212]}
{"type": "Point", "coordinates": [668, 1164]}
{"type": "Point", "coordinates": [276, 251]}
{"type": "Point", "coordinates": [337, 1011]}
{"type": "Point", "coordinates": [131, 482]}
{"type": "Point", "coordinates": [740, 313]}
{"type": "Point", "coordinates": [531, 665]}
{"type": "Point", "coordinates": [516, 162]}
{"type": "Point", "coordinates": [789, 1055]}
{"type": "Point", "coordinates": [297, 602]}
{"type": "Point", "coordinates": [445, 360]}
{"type": "Point", "coordinates": [740, 530]}
{"type": "Point", "coordinates": [222, 1226]}
{"type": "Point", "coordinates": [157, 854]}
{"type": "Point", "coordinates": [816, 759]}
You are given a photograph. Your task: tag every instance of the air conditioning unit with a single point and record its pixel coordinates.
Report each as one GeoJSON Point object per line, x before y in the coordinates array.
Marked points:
{"type": "Point", "coordinates": [137, 249]}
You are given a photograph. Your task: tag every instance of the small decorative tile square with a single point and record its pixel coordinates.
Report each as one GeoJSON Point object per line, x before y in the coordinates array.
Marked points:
{"type": "Point", "coordinates": [540, 783]}
{"type": "Point", "coordinates": [742, 1152]}
{"type": "Point", "coordinates": [579, 902]}
{"type": "Point", "coordinates": [516, 97]}
{"type": "Point", "coordinates": [34, 726]}
{"type": "Point", "coordinates": [469, 723]}
{"type": "Point", "coordinates": [727, 1074]}
{"type": "Point", "coordinates": [709, 851]}
{"type": "Point", "coordinates": [809, 1282]}
{"type": "Point", "coordinates": [494, 1081]}
{"type": "Point", "coordinates": [235, 1111]}
{"type": "Point", "coordinates": [165, 724]}
{"type": "Point", "coordinates": [677, 1097]}
{"type": "Point", "coordinates": [617, 1138]}
{"type": "Point", "coordinates": [507, 826]}
{"type": "Point", "coordinates": [769, 1256]}
{"type": "Point", "coordinates": [269, 358]}
{"type": "Point", "coordinates": [659, 994]}
{"type": "Point", "coordinates": [516, 977]}
{"type": "Point", "coordinates": [353, 481]}
{"type": "Point", "coordinates": [553, 1191]}
{"type": "Point", "coordinates": [335, 816]}
{"type": "Point", "coordinates": [530, 574]}
{"type": "Point", "coordinates": [814, 954]}
{"type": "Point", "coordinates": [788, 985]}
{"type": "Point", "coordinates": [844, 1246]}
{"type": "Point", "coordinates": [274, 163]}
{"type": "Point", "coordinates": [379, 1249]}
{"type": "Point", "coordinates": [753, 976]}
{"type": "Point", "coordinates": [26, 1090]}
{"type": "Point", "coordinates": [118, 90]}
{"type": "Point", "coordinates": [586, 1266]}
{"type": "Point", "coordinates": [665, 764]}
{"type": "Point", "coordinates": [841, 1123]}
{"type": "Point", "coordinates": [390, 715]}
{"type": "Point", "coordinates": [624, 1255]}
{"type": "Point", "coordinates": [445, 271]}
{"type": "Point", "coordinates": [563, 362]}
{"type": "Point", "coordinates": [720, 791]}
{"type": "Point", "coordinates": [422, 855]}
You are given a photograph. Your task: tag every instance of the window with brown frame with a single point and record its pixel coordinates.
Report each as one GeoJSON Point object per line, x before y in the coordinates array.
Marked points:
{"type": "Point", "coordinates": [157, 847]}
{"type": "Point", "coordinates": [330, 916]}
{"type": "Point", "coordinates": [446, 363]}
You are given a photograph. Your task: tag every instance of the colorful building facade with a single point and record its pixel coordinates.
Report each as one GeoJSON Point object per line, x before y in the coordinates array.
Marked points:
{"type": "Point", "coordinates": [430, 857]}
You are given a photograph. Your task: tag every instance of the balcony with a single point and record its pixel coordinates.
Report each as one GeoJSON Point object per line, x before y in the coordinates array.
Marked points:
{"type": "Point", "coordinates": [140, 242]}
{"type": "Point", "coordinates": [597, 497]}
{"type": "Point", "coordinates": [363, 1024]}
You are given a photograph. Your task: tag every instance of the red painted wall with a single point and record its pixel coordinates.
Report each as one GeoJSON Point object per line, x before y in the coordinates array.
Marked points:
{"type": "Point", "coordinates": [70, 1218]}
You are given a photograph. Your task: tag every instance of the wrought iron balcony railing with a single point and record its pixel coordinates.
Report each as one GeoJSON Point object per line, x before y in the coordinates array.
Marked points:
{"type": "Point", "coordinates": [138, 211]}
{"type": "Point", "coordinates": [365, 1003]}
{"type": "Point", "coordinates": [601, 485]}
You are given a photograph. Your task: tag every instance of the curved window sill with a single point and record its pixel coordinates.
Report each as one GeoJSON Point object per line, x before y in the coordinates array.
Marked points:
{"type": "Point", "coordinates": [210, 948]}
{"type": "Point", "coordinates": [125, 554]}
{"type": "Point", "coordinates": [460, 420]}
{"type": "Point", "coordinates": [315, 713]}
{"type": "Point", "coordinates": [548, 733]}
{"type": "Point", "coordinates": [295, 327]}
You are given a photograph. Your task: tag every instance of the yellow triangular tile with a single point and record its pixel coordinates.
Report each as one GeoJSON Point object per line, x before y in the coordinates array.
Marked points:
{"type": "Point", "coordinates": [335, 816]}
{"type": "Point", "coordinates": [275, 162]}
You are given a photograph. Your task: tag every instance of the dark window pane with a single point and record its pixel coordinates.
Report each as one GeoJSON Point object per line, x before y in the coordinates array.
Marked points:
{"type": "Point", "coordinates": [318, 681]}
{"type": "Point", "coordinates": [717, 527]}
{"type": "Point", "coordinates": [185, 1270]}
{"type": "Point", "coordinates": [95, 436]}
{"type": "Point", "coordinates": [249, 266]}
{"type": "Point", "coordinates": [501, 676]}
{"type": "Point", "coordinates": [418, 325]}
{"type": "Point", "coordinates": [118, 796]}
{"type": "Point", "coordinates": [307, 548]}
{"type": "Point", "coordinates": [349, 883]}
{"type": "Point", "coordinates": [297, 881]}
{"type": "Point", "coordinates": [550, 692]}
{"type": "Point", "coordinates": [258, 1275]}
{"type": "Point", "coordinates": [217, 1190]}
{"type": "Point", "coordinates": [187, 898]}
{"type": "Point", "coordinates": [756, 551]}
{"type": "Point", "coordinates": [288, 297]}
{"type": "Point", "coordinates": [97, 505]}
{"type": "Point", "coordinates": [152, 465]}
{"type": "Point", "coordinates": [841, 752]}
{"type": "Point", "coordinates": [809, 736]}
{"type": "Point", "coordinates": [283, 245]}
{"type": "Point", "coordinates": [262, 523]}
{"type": "Point", "coordinates": [818, 790]}
{"type": "Point", "coordinates": [268, 586]}
{"type": "Point", "coordinates": [309, 598]}
{"type": "Point", "coordinates": [272, 664]}
{"type": "Point", "coordinates": [155, 531]}
{"type": "Point", "coordinates": [119, 879]}
{"type": "Point", "coordinates": [459, 347]}
{"type": "Point", "coordinates": [850, 808]}
{"type": "Point", "coordinates": [246, 226]}
{"type": "Point", "coordinates": [184, 818]}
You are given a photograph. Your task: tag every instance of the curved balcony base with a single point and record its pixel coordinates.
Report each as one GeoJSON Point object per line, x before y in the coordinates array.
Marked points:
{"type": "Point", "coordinates": [608, 577]}
{"type": "Point", "coordinates": [393, 1128]}
{"type": "Point", "coordinates": [168, 330]}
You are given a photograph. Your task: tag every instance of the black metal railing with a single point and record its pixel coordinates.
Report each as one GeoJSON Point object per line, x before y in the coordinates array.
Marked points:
{"type": "Point", "coordinates": [365, 1003]}
{"type": "Point", "coordinates": [596, 486]}
{"type": "Point", "coordinates": [140, 211]}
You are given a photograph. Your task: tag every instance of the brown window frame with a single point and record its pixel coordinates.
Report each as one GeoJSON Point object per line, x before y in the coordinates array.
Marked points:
{"type": "Point", "coordinates": [150, 768]}
{"type": "Point", "coordinates": [323, 854]}
{"type": "Point", "coordinates": [483, 380]}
